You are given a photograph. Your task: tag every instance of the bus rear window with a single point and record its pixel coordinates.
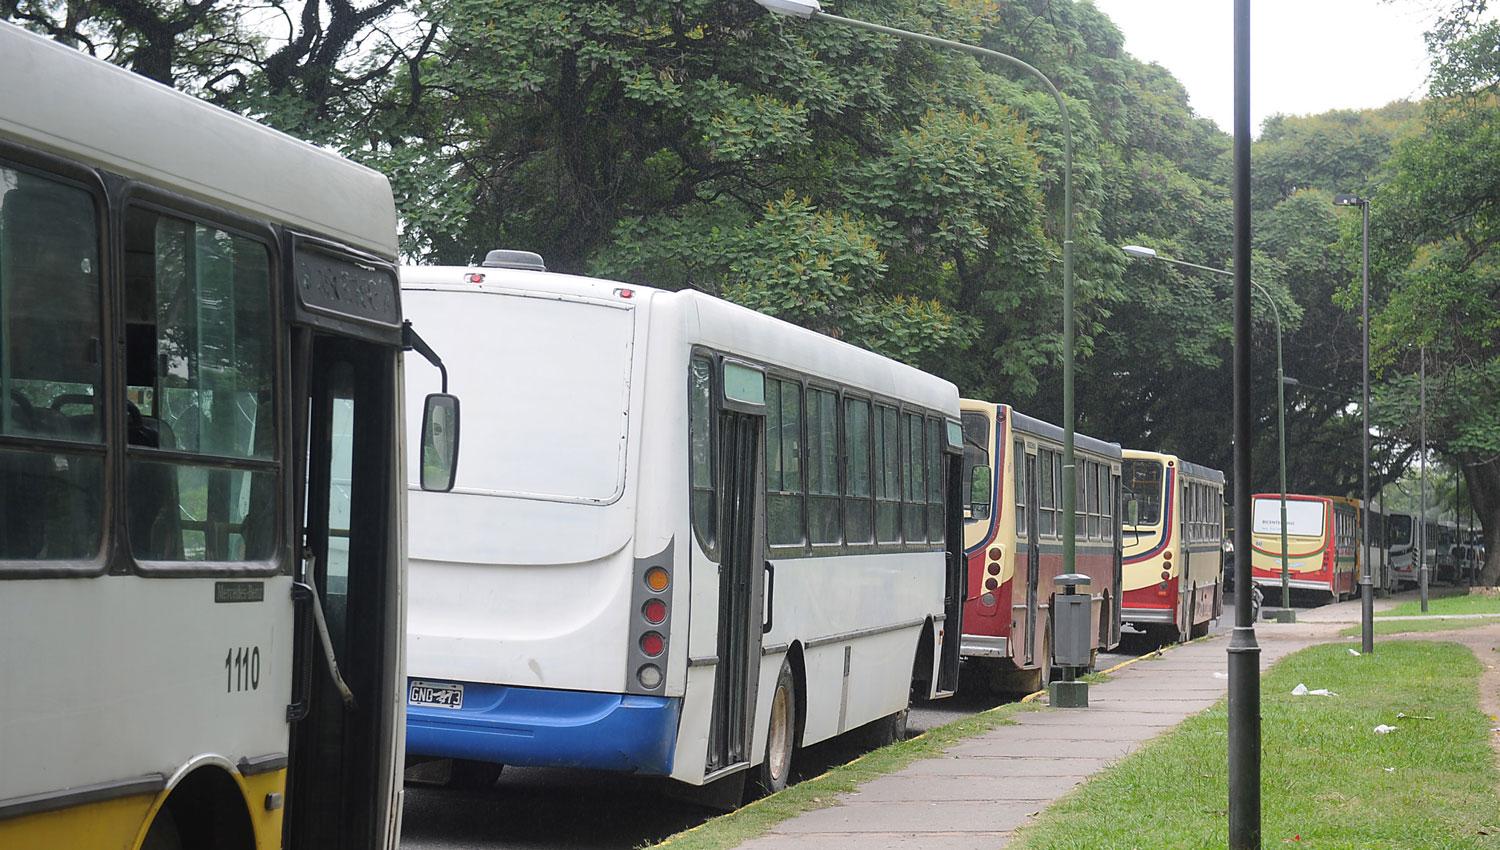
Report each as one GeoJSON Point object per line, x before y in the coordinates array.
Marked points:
{"type": "Point", "coordinates": [1303, 518]}
{"type": "Point", "coordinates": [545, 384]}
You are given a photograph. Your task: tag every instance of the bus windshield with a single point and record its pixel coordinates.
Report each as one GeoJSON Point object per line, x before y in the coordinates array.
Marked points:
{"type": "Point", "coordinates": [976, 453]}
{"type": "Point", "coordinates": [1143, 483]}
{"type": "Point", "coordinates": [1303, 518]}
{"type": "Point", "coordinates": [548, 380]}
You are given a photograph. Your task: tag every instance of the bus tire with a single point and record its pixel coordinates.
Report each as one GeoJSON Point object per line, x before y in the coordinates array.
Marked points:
{"type": "Point", "coordinates": [775, 769]}
{"type": "Point", "coordinates": [163, 834]}
{"type": "Point", "coordinates": [887, 730]}
{"type": "Point", "coordinates": [471, 775]}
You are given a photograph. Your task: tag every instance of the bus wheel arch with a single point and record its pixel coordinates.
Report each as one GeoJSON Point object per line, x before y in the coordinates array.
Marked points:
{"type": "Point", "coordinates": [923, 665]}
{"type": "Point", "coordinates": [799, 682]}
{"type": "Point", "coordinates": [205, 810]}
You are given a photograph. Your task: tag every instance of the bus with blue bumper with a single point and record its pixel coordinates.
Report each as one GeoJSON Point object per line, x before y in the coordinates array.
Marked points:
{"type": "Point", "coordinates": [687, 538]}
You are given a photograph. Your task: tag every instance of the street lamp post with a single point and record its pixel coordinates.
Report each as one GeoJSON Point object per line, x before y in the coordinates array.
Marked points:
{"type": "Point", "coordinates": [1286, 614]}
{"type": "Point", "coordinates": [813, 10]}
{"type": "Point", "coordinates": [1367, 587]}
{"type": "Point", "coordinates": [1244, 651]}
{"type": "Point", "coordinates": [1422, 425]}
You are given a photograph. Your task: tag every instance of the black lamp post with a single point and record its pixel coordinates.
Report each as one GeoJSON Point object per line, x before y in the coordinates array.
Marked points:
{"type": "Point", "coordinates": [1366, 585]}
{"type": "Point", "coordinates": [1244, 652]}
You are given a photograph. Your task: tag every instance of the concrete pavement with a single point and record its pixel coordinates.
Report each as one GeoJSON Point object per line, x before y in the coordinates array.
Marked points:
{"type": "Point", "coordinates": [980, 791]}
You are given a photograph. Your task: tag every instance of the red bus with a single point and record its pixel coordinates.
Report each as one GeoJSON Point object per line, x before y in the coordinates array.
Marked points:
{"type": "Point", "coordinates": [1322, 543]}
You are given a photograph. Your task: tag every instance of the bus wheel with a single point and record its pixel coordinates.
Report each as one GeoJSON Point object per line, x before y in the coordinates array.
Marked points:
{"type": "Point", "coordinates": [473, 775]}
{"type": "Point", "coordinates": [775, 769]}
{"type": "Point", "coordinates": [163, 834]}
{"type": "Point", "coordinates": [887, 730]}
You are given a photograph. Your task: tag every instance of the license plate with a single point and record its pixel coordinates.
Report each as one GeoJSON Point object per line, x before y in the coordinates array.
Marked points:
{"type": "Point", "coordinates": [436, 695]}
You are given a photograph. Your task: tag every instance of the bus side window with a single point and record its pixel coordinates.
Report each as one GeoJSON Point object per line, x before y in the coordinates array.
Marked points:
{"type": "Point", "coordinates": [823, 468]}
{"type": "Point", "coordinates": [858, 488]}
{"type": "Point", "coordinates": [1106, 506]}
{"type": "Point", "coordinates": [1018, 461]}
{"type": "Point", "coordinates": [935, 513]}
{"type": "Point", "coordinates": [1046, 495]}
{"type": "Point", "coordinates": [703, 483]}
{"type": "Point", "coordinates": [914, 479]}
{"type": "Point", "coordinates": [51, 342]}
{"type": "Point", "coordinates": [784, 491]}
{"type": "Point", "coordinates": [200, 361]}
{"type": "Point", "coordinates": [887, 475]}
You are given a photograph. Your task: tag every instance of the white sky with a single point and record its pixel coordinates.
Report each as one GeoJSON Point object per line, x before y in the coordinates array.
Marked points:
{"type": "Point", "coordinates": [1295, 46]}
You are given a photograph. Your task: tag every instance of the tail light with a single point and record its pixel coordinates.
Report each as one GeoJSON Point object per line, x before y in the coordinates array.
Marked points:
{"type": "Point", "coordinates": [650, 625]}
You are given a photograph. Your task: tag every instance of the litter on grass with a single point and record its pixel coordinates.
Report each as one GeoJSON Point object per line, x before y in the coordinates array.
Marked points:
{"type": "Point", "coordinates": [1302, 691]}
{"type": "Point", "coordinates": [1401, 715]}
{"type": "Point", "coordinates": [1383, 729]}
{"type": "Point", "coordinates": [1353, 651]}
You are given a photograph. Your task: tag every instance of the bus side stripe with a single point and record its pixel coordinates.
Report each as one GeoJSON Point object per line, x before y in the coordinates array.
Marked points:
{"type": "Point", "coordinates": [48, 801]}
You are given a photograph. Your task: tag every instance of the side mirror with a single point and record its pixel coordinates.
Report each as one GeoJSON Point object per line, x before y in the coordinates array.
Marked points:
{"type": "Point", "coordinates": [439, 442]}
{"type": "Point", "coordinates": [1132, 510]}
{"type": "Point", "coordinates": [979, 490]}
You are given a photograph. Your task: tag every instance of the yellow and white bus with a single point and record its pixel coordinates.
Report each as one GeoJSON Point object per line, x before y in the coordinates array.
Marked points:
{"type": "Point", "coordinates": [1174, 544]}
{"type": "Point", "coordinates": [201, 499]}
{"type": "Point", "coordinates": [1323, 543]}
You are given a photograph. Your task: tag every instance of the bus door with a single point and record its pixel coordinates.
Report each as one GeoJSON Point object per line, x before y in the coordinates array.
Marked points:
{"type": "Point", "coordinates": [957, 579]}
{"type": "Point", "coordinates": [347, 558]}
{"type": "Point", "coordinates": [1117, 597]}
{"type": "Point", "coordinates": [1033, 556]}
{"type": "Point", "coordinates": [347, 718]}
{"type": "Point", "coordinates": [746, 603]}
{"type": "Point", "coordinates": [1187, 589]}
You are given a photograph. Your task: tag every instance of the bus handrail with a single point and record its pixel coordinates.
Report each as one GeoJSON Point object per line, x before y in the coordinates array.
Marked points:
{"type": "Point", "coordinates": [304, 591]}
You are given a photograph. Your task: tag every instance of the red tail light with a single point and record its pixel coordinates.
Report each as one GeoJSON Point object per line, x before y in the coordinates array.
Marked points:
{"type": "Point", "coordinates": [652, 643]}
{"type": "Point", "coordinates": [655, 611]}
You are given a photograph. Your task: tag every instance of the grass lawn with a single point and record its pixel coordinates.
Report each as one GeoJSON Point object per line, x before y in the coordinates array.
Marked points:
{"type": "Point", "coordinates": [1400, 626]}
{"type": "Point", "coordinates": [1328, 780]}
{"type": "Point", "coordinates": [746, 823]}
{"type": "Point", "coordinates": [1473, 603]}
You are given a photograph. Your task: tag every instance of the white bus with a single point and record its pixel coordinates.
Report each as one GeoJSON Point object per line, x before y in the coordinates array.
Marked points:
{"type": "Point", "coordinates": [725, 535]}
{"type": "Point", "coordinates": [198, 316]}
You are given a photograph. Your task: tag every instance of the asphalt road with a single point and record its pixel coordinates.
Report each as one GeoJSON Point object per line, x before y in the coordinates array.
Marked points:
{"type": "Point", "coordinates": [549, 809]}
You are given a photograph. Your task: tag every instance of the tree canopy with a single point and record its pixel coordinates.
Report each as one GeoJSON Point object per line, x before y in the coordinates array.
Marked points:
{"type": "Point", "coordinates": [908, 199]}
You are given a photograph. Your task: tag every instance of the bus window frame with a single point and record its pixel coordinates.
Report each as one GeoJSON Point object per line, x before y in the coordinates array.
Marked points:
{"type": "Point", "coordinates": [710, 547]}
{"type": "Point", "coordinates": [151, 199]}
{"type": "Point", "coordinates": [92, 181]}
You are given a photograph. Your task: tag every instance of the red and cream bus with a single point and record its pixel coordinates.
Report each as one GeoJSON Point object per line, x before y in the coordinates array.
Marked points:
{"type": "Point", "coordinates": [1012, 539]}
{"type": "Point", "coordinates": [1322, 543]}
{"type": "Point", "coordinates": [1173, 554]}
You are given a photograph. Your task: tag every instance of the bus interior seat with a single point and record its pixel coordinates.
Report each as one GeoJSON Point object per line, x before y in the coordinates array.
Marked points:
{"type": "Point", "coordinates": [153, 512]}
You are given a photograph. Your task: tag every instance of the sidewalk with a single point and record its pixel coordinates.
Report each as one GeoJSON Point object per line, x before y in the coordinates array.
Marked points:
{"type": "Point", "coordinates": [979, 792]}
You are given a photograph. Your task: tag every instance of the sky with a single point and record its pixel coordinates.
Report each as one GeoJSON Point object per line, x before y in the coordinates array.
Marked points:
{"type": "Point", "coordinates": [1306, 56]}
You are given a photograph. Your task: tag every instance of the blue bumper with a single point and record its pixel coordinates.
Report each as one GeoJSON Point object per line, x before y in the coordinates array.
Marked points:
{"type": "Point", "coordinates": [537, 727]}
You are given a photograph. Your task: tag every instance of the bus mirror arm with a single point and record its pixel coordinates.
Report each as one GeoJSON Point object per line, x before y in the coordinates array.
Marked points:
{"type": "Point", "coordinates": [305, 593]}
{"type": "Point", "coordinates": [412, 341]}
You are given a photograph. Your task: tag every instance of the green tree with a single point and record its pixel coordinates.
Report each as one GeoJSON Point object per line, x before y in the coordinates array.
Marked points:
{"type": "Point", "coordinates": [1438, 237]}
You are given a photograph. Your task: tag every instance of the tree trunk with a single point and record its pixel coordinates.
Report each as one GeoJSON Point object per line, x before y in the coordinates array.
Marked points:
{"type": "Point", "coordinates": [1483, 481]}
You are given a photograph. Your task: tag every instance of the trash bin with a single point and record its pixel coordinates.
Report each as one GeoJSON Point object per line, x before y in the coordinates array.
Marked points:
{"type": "Point", "coordinates": [1072, 639]}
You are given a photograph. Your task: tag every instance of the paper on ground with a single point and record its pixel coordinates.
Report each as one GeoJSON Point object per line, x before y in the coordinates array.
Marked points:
{"type": "Point", "coordinates": [1302, 691]}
